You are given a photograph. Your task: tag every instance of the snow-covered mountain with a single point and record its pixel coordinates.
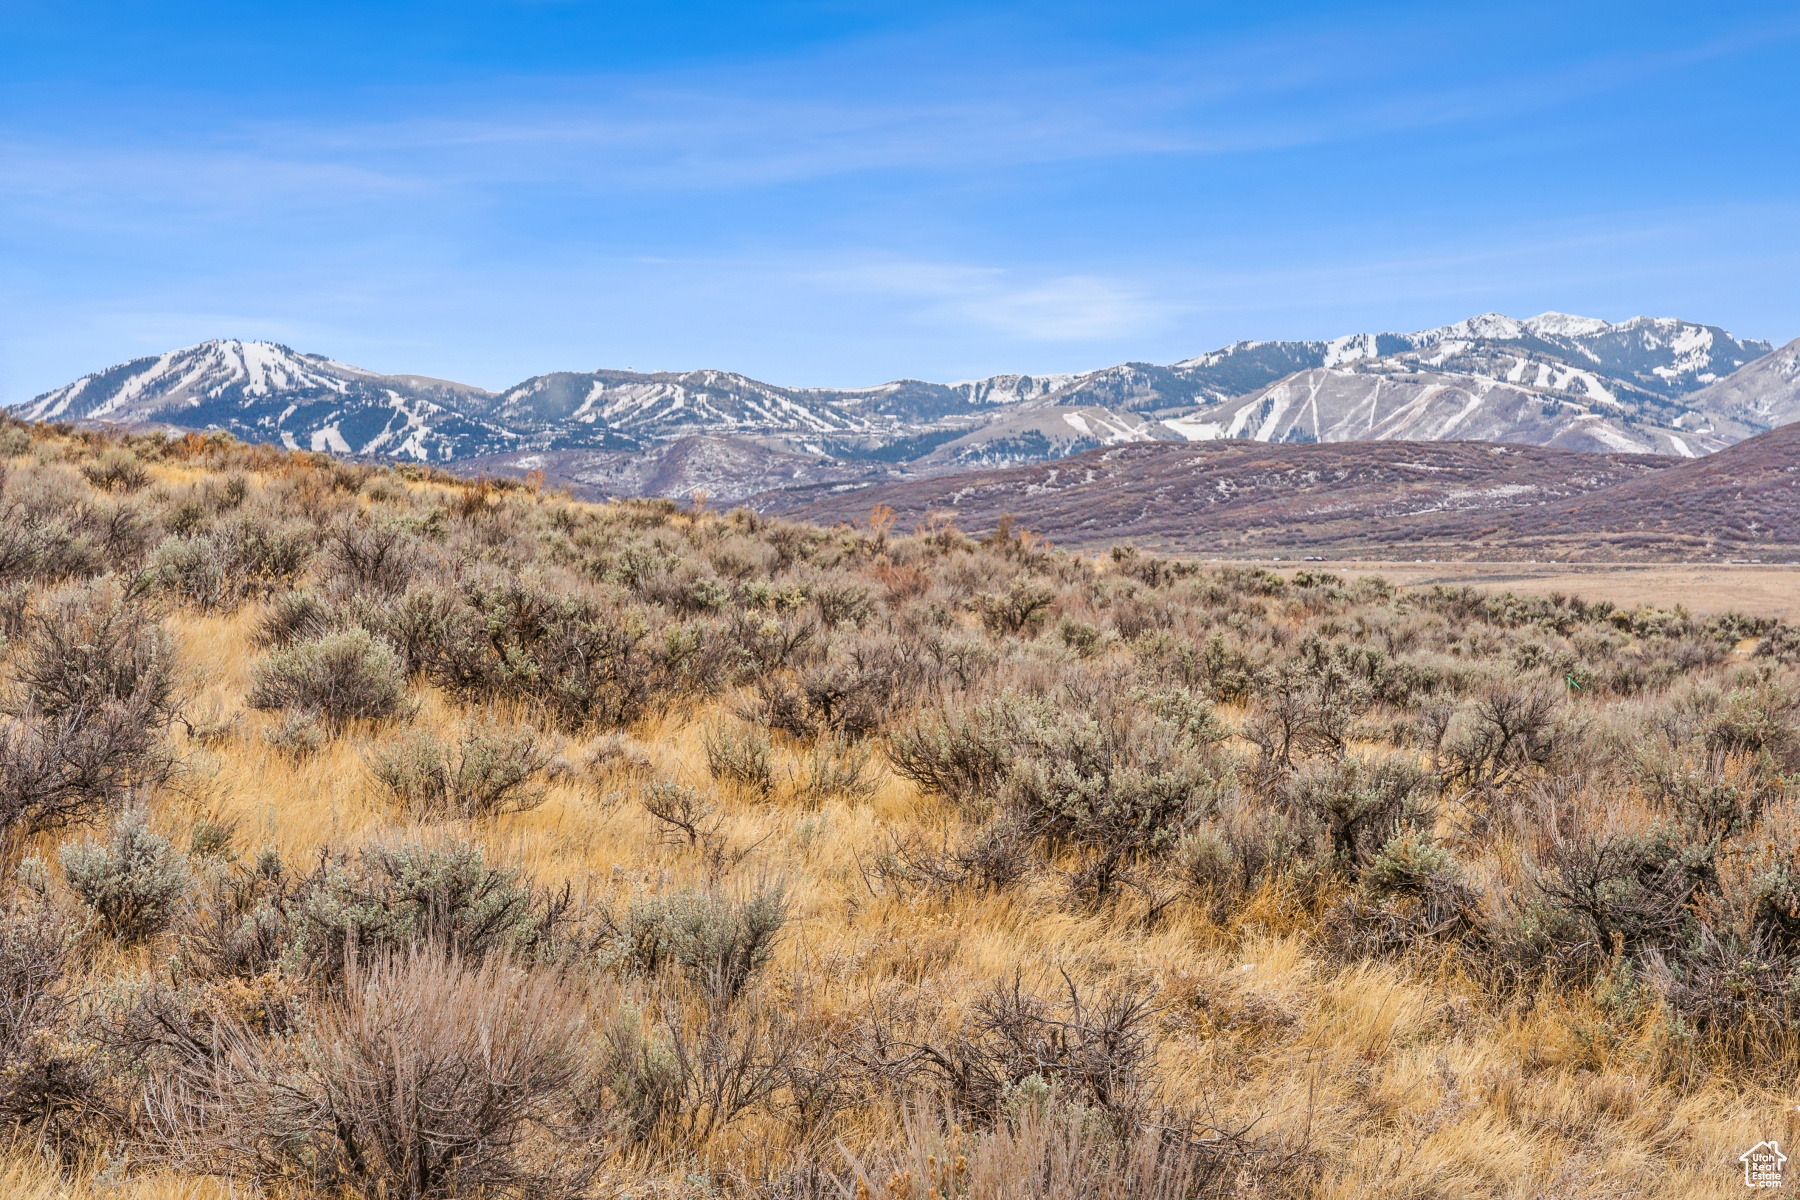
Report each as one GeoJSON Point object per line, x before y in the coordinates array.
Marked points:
{"type": "Point", "coordinates": [264, 392]}
{"type": "Point", "coordinates": [1765, 394]}
{"type": "Point", "coordinates": [1553, 380]}
{"type": "Point", "coordinates": [1646, 359]}
{"type": "Point", "coordinates": [1384, 401]}
{"type": "Point", "coordinates": [668, 405]}
{"type": "Point", "coordinates": [1652, 385]}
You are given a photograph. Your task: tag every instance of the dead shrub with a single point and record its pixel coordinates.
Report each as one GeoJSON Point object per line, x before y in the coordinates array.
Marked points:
{"type": "Point", "coordinates": [1051, 1150]}
{"type": "Point", "coordinates": [51, 1086]}
{"type": "Point", "coordinates": [428, 1079]}
{"type": "Point", "coordinates": [70, 769]}
{"type": "Point", "coordinates": [91, 646]}
{"type": "Point", "coordinates": [684, 813]}
{"type": "Point", "coordinates": [1626, 888]}
{"type": "Point", "coordinates": [994, 855]}
{"type": "Point", "coordinates": [371, 557]}
{"type": "Point", "coordinates": [1492, 740]}
{"type": "Point", "coordinates": [1096, 1049]}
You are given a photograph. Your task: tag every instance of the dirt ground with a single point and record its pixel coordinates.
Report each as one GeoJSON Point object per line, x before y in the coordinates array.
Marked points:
{"type": "Point", "coordinates": [1772, 590]}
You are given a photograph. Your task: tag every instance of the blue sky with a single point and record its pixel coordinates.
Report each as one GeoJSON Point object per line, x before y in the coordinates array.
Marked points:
{"type": "Point", "coordinates": [838, 194]}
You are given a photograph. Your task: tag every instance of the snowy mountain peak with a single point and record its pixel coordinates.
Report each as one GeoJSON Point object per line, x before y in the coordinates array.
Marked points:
{"type": "Point", "coordinates": [1493, 326]}
{"type": "Point", "coordinates": [1556, 324]}
{"type": "Point", "coordinates": [1351, 348]}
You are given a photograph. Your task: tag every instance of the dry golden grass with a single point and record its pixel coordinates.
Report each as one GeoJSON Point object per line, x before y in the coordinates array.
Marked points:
{"type": "Point", "coordinates": [1771, 590]}
{"type": "Point", "coordinates": [1395, 1082]}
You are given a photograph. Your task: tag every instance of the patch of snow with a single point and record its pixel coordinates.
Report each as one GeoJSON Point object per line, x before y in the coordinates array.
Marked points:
{"type": "Point", "coordinates": [1353, 347]}
{"type": "Point", "coordinates": [1194, 429]}
{"type": "Point", "coordinates": [329, 439]}
{"type": "Point", "coordinates": [1617, 439]}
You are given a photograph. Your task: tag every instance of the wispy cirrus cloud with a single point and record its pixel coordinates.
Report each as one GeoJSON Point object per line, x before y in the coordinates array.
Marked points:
{"type": "Point", "coordinates": [1022, 305]}
{"type": "Point", "coordinates": [895, 105]}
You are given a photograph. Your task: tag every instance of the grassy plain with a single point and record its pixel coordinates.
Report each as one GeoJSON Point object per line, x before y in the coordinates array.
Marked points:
{"type": "Point", "coordinates": [1771, 590]}
{"type": "Point", "coordinates": [1310, 1053]}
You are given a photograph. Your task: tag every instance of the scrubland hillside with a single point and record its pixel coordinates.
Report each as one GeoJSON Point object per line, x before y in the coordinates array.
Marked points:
{"type": "Point", "coordinates": [377, 834]}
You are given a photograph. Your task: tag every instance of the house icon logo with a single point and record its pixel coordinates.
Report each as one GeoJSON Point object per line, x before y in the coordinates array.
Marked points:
{"type": "Point", "coordinates": [1762, 1165]}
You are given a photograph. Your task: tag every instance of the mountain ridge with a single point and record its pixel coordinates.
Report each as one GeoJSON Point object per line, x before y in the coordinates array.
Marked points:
{"type": "Point", "coordinates": [1641, 385]}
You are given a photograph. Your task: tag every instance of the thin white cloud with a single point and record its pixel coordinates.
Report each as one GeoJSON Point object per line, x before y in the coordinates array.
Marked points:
{"type": "Point", "coordinates": [1057, 308]}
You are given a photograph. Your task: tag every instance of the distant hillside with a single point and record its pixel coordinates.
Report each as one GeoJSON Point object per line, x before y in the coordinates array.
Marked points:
{"type": "Point", "coordinates": [1444, 499]}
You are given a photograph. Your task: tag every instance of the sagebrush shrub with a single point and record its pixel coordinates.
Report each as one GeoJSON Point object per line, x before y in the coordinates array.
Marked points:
{"type": "Point", "coordinates": [582, 661]}
{"type": "Point", "coordinates": [238, 923]}
{"type": "Point", "coordinates": [740, 755]}
{"type": "Point", "coordinates": [412, 894]}
{"type": "Point", "coordinates": [1095, 1046]}
{"type": "Point", "coordinates": [236, 560]}
{"type": "Point", "coordinates": [134, 881]}
{"type": "Point", "coordinates": [117, 470]}
{"type": "Point", "coordinates": [483, 772]}
{"type": "Point", "coordinates": [720, 943]}
{"type": "Point", "coordinates": [1359, 805]}
{"type": "Point", "coordinates": [296, 733]}
{"type": "Point", "coordinates": [958, 752]}
{"type": "Point", "coordinates": [833, 769]}
{"type": "Point", "coordinates": [1021, 609]}
{"type": "Point", "coordinates": [341, 677]}
{"type": "Point", "coordinates": [296, 616]}
{"type": "Point", "coordinates": [1306, 706]}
